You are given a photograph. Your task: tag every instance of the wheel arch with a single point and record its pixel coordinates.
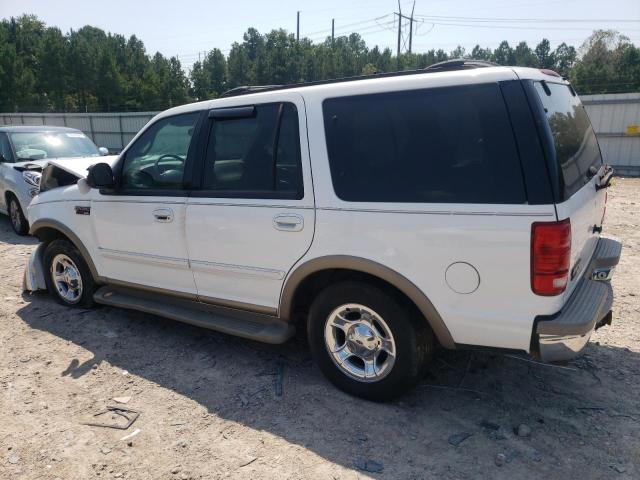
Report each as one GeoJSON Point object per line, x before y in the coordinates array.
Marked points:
{"type": "Point", "coordinates": [8, 195]}
{"type": "Point", "coordinates": [47, 230]}
{"type": "Point", "coordinates": [319, 271]}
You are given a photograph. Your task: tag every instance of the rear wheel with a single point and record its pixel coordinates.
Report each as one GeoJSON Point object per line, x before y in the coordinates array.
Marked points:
{"type": "Point", "coordinates": [16, 216]}
{"type": "Point", "coordinates": [67, 275]}
{"type": "Point", "coordinates": [366, 341]}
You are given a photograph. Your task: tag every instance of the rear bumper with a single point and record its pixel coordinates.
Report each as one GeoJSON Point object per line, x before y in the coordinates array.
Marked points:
{"type": "Point", "coordinates": [563, 335]}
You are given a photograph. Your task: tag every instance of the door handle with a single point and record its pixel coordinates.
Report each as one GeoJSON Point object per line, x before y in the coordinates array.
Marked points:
{"type": "Point", "coordinates": [163, 215]}
{"type": "Point", "coordinates": [288, 222]}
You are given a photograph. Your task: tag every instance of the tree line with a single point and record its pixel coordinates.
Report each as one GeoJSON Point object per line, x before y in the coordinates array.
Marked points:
{"type": "Point", "coordinates": [45, 70]}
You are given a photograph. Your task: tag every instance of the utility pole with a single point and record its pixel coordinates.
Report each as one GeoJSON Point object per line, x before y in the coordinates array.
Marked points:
{"type": "Point", "coordinates": [411, 21]}
{"type": "Point", "coordinates": [411, 26]}
{"type": "Point", "coordinates": [399, 30]}
{"type": "Point", "coordinates": [333, 30]}
{"type": "Point", "coordinates": [298, 27]}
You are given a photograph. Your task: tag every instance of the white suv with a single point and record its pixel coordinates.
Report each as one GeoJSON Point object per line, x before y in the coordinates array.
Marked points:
{"type": "Point", "coordinates": [458, 206]}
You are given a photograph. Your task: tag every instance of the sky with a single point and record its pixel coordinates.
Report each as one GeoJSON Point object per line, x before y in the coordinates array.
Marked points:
{"type": "Point", "coordinates": [187, 28]}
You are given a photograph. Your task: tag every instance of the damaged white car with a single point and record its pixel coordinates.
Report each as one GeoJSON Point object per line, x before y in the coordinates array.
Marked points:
{"type": "Point", "coordinates": [24, 151]}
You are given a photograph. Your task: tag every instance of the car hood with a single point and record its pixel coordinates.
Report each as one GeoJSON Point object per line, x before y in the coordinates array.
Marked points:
{"type": "Point", "coordinates": [78, 165]}
{"type": "Point", "coordinates": [30, 165]}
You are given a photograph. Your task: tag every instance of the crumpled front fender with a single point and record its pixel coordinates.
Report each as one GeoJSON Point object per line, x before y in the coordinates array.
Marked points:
{"type": "Point", "coordinates": [33, 279]}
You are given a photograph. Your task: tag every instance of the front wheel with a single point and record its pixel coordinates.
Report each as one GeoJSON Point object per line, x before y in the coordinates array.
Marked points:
{"type": "Point", "coordinates": [366, 341]}
{"type": "Point", "coordinates": [16, 216]}
{"type": "Point", "coordinates": [67, 275]}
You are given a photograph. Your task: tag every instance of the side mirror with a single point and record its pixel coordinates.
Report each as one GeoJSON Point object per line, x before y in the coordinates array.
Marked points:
{"type": "Point", "coordinates": [103, 151]}
{"type": "Point", "coordinates": [100, 176]}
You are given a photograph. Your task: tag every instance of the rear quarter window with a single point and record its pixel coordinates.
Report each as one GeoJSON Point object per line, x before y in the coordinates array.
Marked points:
{"type": "Point", "coordinates": [575, 145]}
{"type": "Point", "coordinates": [444, 145]}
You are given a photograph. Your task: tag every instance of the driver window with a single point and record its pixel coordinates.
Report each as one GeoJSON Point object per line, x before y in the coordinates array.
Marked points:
{"type": "Point", "coordinates": [156, 160]}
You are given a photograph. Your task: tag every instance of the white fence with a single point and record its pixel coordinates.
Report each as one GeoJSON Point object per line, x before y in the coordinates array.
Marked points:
{"type": "Point", "coordinates": [111, 130]}
{"type": "Point", "coordinates": [615, 117]}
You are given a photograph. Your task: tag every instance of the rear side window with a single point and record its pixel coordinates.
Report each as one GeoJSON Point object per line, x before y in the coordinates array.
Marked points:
{"type": "Point", "coordinates": [576, 147]}
{"type": "Point", "coordinates": [256, 156]}
{"type": "Point", "coordinates": [445, 145]}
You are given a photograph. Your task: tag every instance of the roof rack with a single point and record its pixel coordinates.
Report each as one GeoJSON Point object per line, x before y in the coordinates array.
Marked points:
{"type": "Point", "coordinates": [245, 89]}
{"type": "Point", "coordinates": [447, 66]}
{"type": "Point", "coordinates": [459, 64]}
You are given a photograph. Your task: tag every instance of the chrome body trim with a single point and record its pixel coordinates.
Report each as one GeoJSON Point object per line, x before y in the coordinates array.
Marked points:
{"type": "Point", "coordinates": [143, 258]}
{"type": "Point", "coordinates": [556, 348]}
{"type": "Point", "coordinates": [438, 212]}
{"type": "Point", "coordinates": [210, 267]}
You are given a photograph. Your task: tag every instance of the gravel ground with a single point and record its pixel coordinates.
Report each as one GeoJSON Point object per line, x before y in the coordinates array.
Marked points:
{"type": "Point", "coordinates": [209, 407]}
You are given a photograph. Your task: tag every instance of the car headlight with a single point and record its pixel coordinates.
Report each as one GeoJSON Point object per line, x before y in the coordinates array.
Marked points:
{"type": "Point", "coordinates": [32, 178]}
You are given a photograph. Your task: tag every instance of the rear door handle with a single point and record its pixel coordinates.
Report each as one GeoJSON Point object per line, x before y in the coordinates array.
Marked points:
{"type": "Point", "coordinates": [163, 215]}
{"type": "Point", "coordinates": [288, 222]}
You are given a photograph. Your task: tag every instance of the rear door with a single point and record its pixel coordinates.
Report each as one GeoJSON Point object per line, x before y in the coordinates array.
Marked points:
{"type": "Point", "coordinates": [576, 165]}
{"type": "Point", "coordinates": [253, 217]}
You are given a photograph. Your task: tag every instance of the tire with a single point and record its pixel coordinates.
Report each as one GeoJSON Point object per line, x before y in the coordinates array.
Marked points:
{"type": "Point", "coordinates": [75, 288]}
{"type": "Point", "coordinates": [17, 219]}
{"type": "Point", "coordinates": [377, 322]}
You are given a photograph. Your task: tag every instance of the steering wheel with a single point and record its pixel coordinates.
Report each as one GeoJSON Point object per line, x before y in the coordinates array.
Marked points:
{"type": "Point", "coordinates": [168, 156]}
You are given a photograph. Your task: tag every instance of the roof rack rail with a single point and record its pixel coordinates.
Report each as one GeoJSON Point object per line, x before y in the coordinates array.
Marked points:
{"type": "Point", "coordinates": [449, 65]}
{"type": "Point", "coordinates": [249, 89]}
{"type": "Point", "coordinates": [459, 64]}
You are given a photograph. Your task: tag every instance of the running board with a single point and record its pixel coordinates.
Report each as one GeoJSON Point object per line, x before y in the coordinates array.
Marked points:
{"type": "Point", "coordinates": [254, 326]}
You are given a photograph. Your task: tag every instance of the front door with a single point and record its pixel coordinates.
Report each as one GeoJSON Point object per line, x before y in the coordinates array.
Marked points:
{"type": "Point", "coordinates": [253, 217]}
{"type": "Point", "coordinates": [140, 227]}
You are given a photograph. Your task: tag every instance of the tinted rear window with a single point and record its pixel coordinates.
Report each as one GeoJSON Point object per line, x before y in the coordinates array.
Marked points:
{"type": "Point", "coordinates": [449, 145]}
{"type": "Point", "coordinates": [576, 147]}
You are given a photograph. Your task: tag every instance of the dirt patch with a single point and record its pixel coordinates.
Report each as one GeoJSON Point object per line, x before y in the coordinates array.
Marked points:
{"type": "Point", "coordinates": [210, 404]}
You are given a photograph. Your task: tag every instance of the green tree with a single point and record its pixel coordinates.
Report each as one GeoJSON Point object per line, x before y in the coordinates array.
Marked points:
{"type": "Point", "coordinates": [565, 57]}
{"type": "Point", "coordinates": [523, 55]}
{"type": "Point", "coordinates": [504, 54]}
{"type": "Point", "coordinates": [544, 55]}
{"type": "Point", "coordinates": [209, 77]}
{"type": "Point", "coordinates": [44, 69]}
{"type": "Point", "coordinates": [607, 63]}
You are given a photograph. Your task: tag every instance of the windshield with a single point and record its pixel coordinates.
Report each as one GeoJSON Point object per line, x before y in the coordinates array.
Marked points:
{"type": "Point", "coordinates": [42, 145]}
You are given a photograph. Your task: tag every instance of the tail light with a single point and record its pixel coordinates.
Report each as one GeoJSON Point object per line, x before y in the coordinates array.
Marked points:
{"type": "Point", "coordinates": [550, 257]}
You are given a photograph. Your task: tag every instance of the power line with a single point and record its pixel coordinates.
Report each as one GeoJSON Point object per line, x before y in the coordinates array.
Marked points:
{"type": "Point", "coordinates": [538, 20]}
{"type": "Point", "coordinates": [518, 27]}
{"type": "Point", "coordinates": [375, 20]}
{"type": "Point", "coordinates": [365, 30]}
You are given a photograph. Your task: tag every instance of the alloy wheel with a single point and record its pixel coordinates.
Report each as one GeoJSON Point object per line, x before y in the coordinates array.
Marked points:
{"type": "Point", "coordinates": [360, 342]}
